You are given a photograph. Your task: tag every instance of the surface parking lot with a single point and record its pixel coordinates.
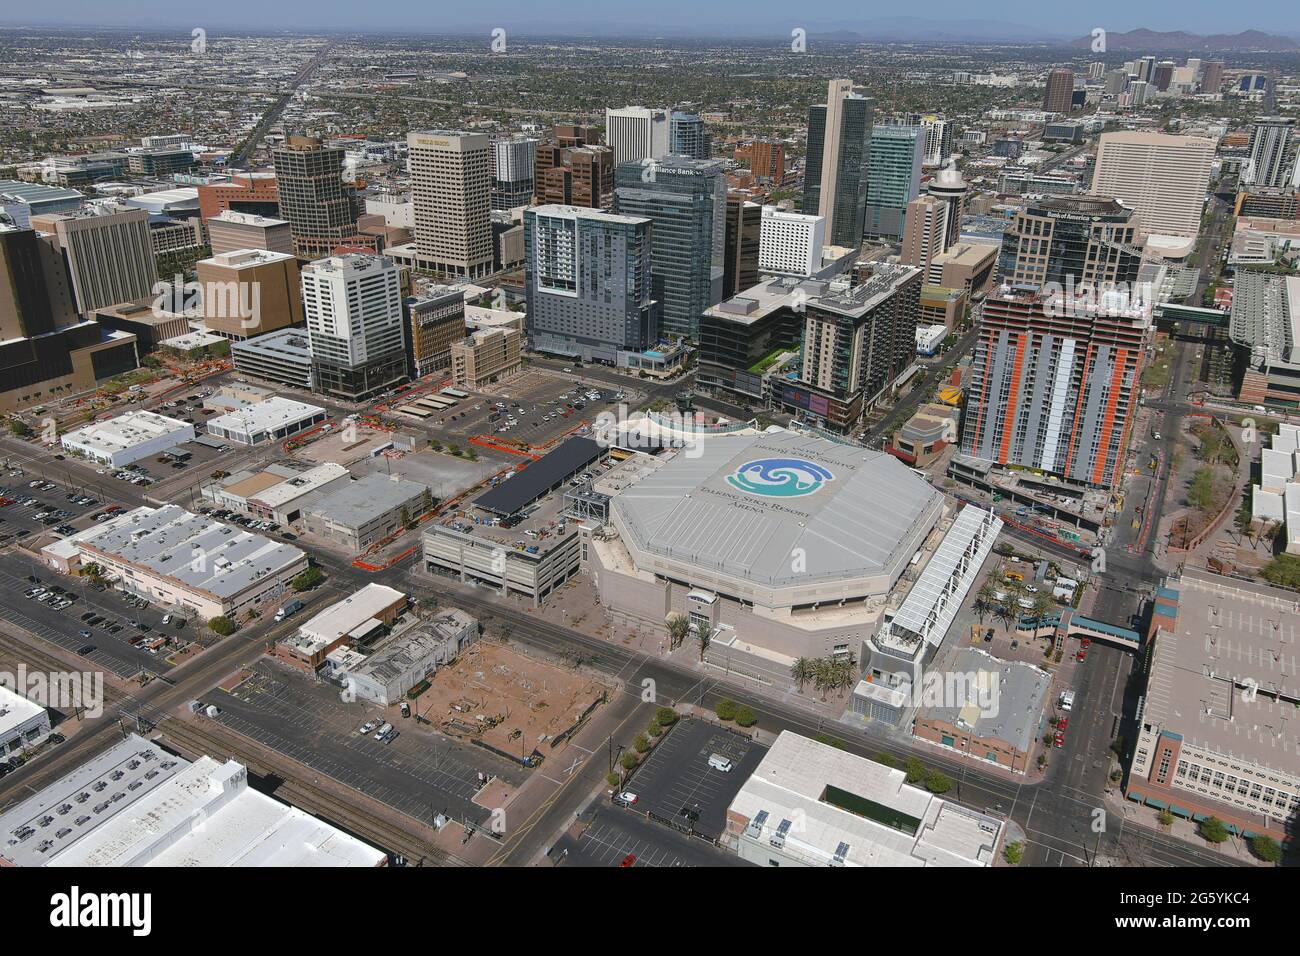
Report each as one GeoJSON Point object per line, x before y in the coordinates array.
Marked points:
{"type": "Point", "coordinates": [613, 836]}
{"type": "Point", "coordinates": [419, 773]}
{"type": "Point", "coordinates": [677, 775]}
{"type": "Point", "coordinates": [26, 504]}
{"type": "Point", "coordinates": [529, 399]}
{"type": "Point", "coordinates": [113, 652]}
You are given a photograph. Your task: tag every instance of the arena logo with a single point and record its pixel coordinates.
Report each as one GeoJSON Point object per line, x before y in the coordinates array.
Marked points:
{"type": "Point", "coordinates": [779, 477]}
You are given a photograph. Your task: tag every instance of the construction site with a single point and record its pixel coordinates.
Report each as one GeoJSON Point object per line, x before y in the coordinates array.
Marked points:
{"type": "Point", "coordinates": [496, 697]}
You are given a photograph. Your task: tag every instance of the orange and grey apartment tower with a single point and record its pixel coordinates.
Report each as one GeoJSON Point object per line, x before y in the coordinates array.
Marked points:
{"type": "Point", "coordinates": [1054, 384]}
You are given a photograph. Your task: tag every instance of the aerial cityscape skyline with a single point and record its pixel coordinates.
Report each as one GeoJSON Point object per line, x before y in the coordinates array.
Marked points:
{"type": "Point", "coordinates": [600, 437]}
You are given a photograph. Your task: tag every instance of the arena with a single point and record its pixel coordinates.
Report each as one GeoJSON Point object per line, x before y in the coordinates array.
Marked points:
{"type": "Point", "coordinates": [778, 545]}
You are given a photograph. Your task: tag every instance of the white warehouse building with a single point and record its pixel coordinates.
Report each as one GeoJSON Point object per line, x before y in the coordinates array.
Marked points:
{"type": "Point", "coordinates": [128, 438]}
{"type": "Point", "coordinates": [269, 420]}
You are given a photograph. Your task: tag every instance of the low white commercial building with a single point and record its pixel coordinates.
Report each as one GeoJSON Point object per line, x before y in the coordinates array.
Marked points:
{"type": "Point", "coordinates": [1276, 499]}
{"type": "Point", "coordinates": [811, 804]}
{"type": "Point", "coordinates": [128, 438]}
{"type": "Point", "coordinates": [177, 558]}
{"type": "Point", "coordinates": [135, 804]}
{"type": "Point", "coordinates": [22, 722]}
{"type": "Point", "coordinates": [269, 420]}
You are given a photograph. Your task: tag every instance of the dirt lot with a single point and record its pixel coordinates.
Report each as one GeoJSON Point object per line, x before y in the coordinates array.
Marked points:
{"type": "Point", "coordinates": [506, 699]}
{"type": "Point", "coordinates": [343, 447]}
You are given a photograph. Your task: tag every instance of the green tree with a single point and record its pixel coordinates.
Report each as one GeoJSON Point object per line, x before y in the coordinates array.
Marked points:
{"type": "Point", "coordinates": [915, 770]}
{"type": "Point", "coordinates": [665, 716]}
{"type": "Point", "coordinates": [1283, 570]}
{"type": "Point", "coordinates": [628, 761]}
{"type": "Point", "coordinates": [937, 782]}
{"type": "Point", "coordinates": [745, 716]}
{"type": "Point", "coordinates": [222, 625]}
{"type": "Point", "coordinates": [726, 709]}
{"type": "Point", "coordinates": [1266, 848]}
{"type": "Point", "coordinates": [1013, 853]}
{"type": "Point", "coordinates": [613, 779]}
{"type": "Point", "coordinates": [642, 743]}
{"type": "Point", "coordinates": [308, 579]}
{"type": "Point", "coordinates": [1200, 494]}
{"type": "Point", "coordinates": [887, 760]}
{"type": "Point", "coordinates": [1165, 818]}
{"type": "Point", "coordinates": [1213, 830]}
{"type": "Point", "coordinates": [406, 517]}
{"type": "Point", "coordinates": [19, 428]}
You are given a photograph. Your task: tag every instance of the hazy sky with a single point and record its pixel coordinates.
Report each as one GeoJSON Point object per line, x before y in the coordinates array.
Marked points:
{"type": "Point", "coordinates": [712, 18]}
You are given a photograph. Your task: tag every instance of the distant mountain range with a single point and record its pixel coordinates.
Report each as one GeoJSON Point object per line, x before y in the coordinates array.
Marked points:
{"type": "Point", "coordinates": [1154, 41]}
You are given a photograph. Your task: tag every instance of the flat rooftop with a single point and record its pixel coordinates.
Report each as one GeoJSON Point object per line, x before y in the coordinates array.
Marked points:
{"type": "Point", "coordinates": [1229, 635]}
{"type": "Point", "coordinates": [15, 710]}
{"type": "Point", "coordinates": [1021, 691]}
{"type": "Point", "coordinates": [356, 502]}
{"type": "Point", "coordinates": [135, 805]}
{"type": "Point", "coordinates": [265, 416]}
{"type": "Point", "coordinates": [858, 811]}
{"type": "Point", "coordinates": [533, 481]}
{"type": "Point", "coordinates": [287, 344]}
{"type": "Point", "coordinates": [126, 431]}
{"type": "Point", "coordinates": [165, 540]}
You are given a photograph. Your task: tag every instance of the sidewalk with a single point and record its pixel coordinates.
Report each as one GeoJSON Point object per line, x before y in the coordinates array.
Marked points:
{"type": "Point", "coordinates": [1184, 831]}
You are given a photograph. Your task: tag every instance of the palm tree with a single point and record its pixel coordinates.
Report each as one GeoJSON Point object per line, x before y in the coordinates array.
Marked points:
{"type": "Point", "coordinates": [984, 599]}
{"type": "Point", "coordinates": [822, 675]}
{"type": "Point", "coordinates": [1042, 604]}
{"type": "Point", "coordinates": [703, 635]}
{"type": "Point", "coordinates": [1006, 612]}
{"type": "Point", "coordinates": [678, 628]}
{"type": "Point", "coordinates": [801, 670]}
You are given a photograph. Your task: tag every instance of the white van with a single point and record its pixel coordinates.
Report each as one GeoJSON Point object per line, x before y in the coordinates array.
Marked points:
{"type": "Point", "coordinates": [719, 762]}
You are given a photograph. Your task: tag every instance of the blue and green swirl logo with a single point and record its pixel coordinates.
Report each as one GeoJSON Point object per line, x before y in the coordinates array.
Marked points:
{"type": "Point", "coordinates": [779, 477]}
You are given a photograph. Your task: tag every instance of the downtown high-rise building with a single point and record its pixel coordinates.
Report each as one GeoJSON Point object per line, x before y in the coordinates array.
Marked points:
{"type": "Point", "coordinates": [451, 190]}
{"type": "Point", "coordinates": [925, 235]}
{"type": "Point", "coordinates": [790, 243]}
{"type": "Point", "coordinates": [1117, 81]}
{"type": "Point", "coordinates": [687, 136]}
{"type": "Point", "coordinates": [588, 283]}
{"type": "Point", "coordinates": [108, 251]}
{"type": "Point", "coordinates": [835, 172]}
{"type": "Point", "coordinates": [575, 176]}
{"type": "Point", "coordinates": [514, 160]}
{"type": "Point", "coordinates": [1161, 177]}
{"type": "Point", "coordinates": [249, 292]}
{"type": "Point", "coordinates": [893, 178]}
{"type": "Point", "coordinates": [1271, 152]}
{"type": "Point", "coordinates": [1054, 382]}
{"type": "Point", "coordinates": [1163, 75]}
{"type": "Point", "coordinates": [48, 349]}
{"type": "Point", "coordinates": [1059, 95]}
{"type": "Point", "coordinates": [1071, 242]}
{"type": "Point", "coordinates": [1212, 76]}
{"type": "Point", "coordinates": [950, 188]}
{"type": "Point", "coordinates": [353, 307]}
{"type": "Point", "coordinates": [858, 336]}
{"type": "Point", "coordinates": [766, 160]}
{"type": "Point", "coordinates": [686, 199]}
{"type": "Point", "coordinates": [741, 245]}
{"type": "Point", "coordinates": [312, 196]}
{"type": "Point", "coordinates": [636, 133]}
